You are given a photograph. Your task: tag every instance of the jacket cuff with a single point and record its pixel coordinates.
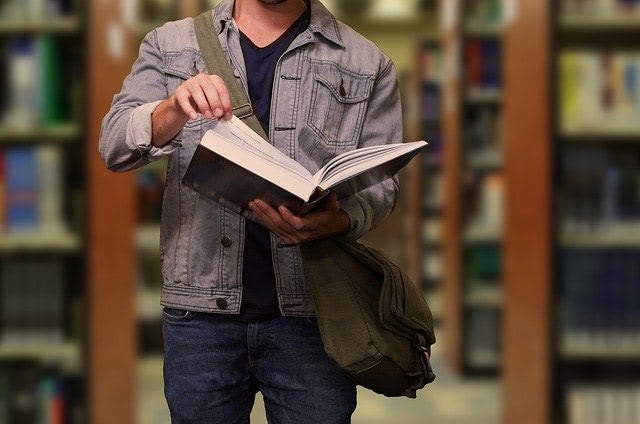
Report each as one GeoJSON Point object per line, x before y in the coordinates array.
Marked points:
{"type": "Point", "coordinates": [355, 209]}
{"type": "Point", "coordinates": [139, 133]}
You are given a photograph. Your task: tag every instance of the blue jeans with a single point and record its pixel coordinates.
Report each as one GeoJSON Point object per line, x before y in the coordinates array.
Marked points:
{"type": "Point", "coordinates": [214, 365]}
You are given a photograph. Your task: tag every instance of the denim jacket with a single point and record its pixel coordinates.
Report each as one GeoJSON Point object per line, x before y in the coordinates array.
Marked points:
{"type": "Point", "coordinates": [333, 91]}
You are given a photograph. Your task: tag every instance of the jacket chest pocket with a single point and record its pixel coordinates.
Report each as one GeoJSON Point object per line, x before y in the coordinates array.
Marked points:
{"type": "Point", "coordinates": [179, 67]}
{"type": "Point", "coordinates": [338, 104]}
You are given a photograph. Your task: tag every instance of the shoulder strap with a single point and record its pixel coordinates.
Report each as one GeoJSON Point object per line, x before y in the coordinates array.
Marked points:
{"type": "Point", "coordinates": [218, 64]}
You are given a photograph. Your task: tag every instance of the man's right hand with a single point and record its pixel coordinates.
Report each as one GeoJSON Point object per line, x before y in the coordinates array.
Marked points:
{"type": "Point", "coordinates": [202, 94]}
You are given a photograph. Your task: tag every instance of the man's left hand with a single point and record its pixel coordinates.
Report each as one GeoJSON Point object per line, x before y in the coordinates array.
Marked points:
{"type": "Point", "coordinates": [292, 229]}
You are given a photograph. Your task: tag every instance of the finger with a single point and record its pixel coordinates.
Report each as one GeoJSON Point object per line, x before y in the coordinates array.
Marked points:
{"type": "Point", "coordinates": [184, 102]}
{"type": "Point", "coordinates": [295, 222]}
{"type": "Point", "coordinates": [265, 220]}
{"type": "Point", "coordinates": [200, 100]}
{"type": "Point", "coordinates": [275, 219]}
{"type": "Point", "coordinates": [210, 90]}
{"type": "Point", "coordinates": [223, 95]}
{"type": "Point", "coordinates": [332, 202]}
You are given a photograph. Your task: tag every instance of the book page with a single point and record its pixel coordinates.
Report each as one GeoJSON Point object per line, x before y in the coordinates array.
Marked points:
{"type": "Point", "coordinates": [260, 160]}
{"type": "Point", "coordinates": [238, 132]}
{"type": "Point", "coordinates": [354, 162]}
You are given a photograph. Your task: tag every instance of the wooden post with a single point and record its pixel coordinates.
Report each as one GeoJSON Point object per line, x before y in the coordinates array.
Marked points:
{"type": "Point", "coordinates": [452, 257]}
{"type": "Point", "coordinates": [528, 243]}
{"type": "Point", "coordinates": [111, 223]}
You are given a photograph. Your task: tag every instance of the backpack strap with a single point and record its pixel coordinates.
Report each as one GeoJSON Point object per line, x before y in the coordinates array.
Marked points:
{"type": "Point", "coordinates": [218, 64]}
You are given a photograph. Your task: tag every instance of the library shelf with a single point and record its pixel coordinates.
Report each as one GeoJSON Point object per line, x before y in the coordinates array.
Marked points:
{"type": "Point", "coordinates": [148, 305]}
{"type": "Point", "coordinates": [64, 242]}
{"type": "Point", "coordinates": [473, 163]}
{"type": "Point", "coordinates": [545, 279]}
{"type": "Point", "coordinates": [66, 355]}
{"type": "Point", "coordinates": [608, 22]}
{"type": "Point", "coordinates": [481, 30]}
{"type": "Point", "coordinates": [490, 295]}
{"type": "Point", "coordinates": [599, 352]}
{"type": "Point", "coordinates": [58, 132]}
{"type": "Point", "coordinates": [57, 25]}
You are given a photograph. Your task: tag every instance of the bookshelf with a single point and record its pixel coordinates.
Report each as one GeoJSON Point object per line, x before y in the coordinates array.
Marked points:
{"type": "Point", "coordinates": [43, 289]}
{"type": "Point", "coordinates": [473, 185]}
{"type": "Point", "coordinates": [424, 175]}
{"type": "Point", "coordinates": [571, 319]}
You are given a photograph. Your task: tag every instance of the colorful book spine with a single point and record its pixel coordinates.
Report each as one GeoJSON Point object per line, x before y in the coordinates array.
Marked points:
{"type": "Point", "coordinates": [21, 189]}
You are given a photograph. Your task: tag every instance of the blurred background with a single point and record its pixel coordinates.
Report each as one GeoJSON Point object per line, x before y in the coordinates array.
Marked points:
{"type": "Point", "coordinates": [520, 222]}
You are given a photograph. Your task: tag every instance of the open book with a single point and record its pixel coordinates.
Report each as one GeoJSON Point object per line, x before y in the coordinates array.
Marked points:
{"type": "Point", "coordinates": [233, 166]}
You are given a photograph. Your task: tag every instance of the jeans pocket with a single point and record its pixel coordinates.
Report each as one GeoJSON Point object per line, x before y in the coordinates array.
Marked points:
{"type": "Point", "coordinates": [175, 316]}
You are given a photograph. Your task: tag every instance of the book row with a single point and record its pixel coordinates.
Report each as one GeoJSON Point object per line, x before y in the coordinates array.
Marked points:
{"type": "Point", "coordinates": [30, 393]}
{"type": "Point", "coordinates": [32, 68]}
{"type": "Point", "coordinates": [600, 7]}
{"type": "Point", "coordinates": [483, 12]}
{"type": "Point", "coordinates": [599, 92]}
{"type": "Point", "coordinates": [599, 189]}
{"type": "Point", "coordinates": [33, 301]}
{"type": "Point", "coordinates": [32, 190]}
{"type": "Point", "coordinates": [597, 404]}
{"type": "Point", "coordinates": [34, 9]}
{"type": "Point", "coordinates": [599, 298]}
{"type": "Point", "coordinates": [483, 63]}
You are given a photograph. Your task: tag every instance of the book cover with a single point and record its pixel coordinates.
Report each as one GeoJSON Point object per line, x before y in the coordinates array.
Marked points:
{"type": "Point", "coordinates": [234, 166]}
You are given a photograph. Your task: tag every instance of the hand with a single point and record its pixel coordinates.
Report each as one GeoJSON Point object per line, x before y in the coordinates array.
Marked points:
{"type": "Point", "coordinates": [205, 94]}
{"type": "Point", "coordinates": [292, 229]}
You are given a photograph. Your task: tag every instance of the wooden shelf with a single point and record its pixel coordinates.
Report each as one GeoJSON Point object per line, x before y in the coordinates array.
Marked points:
{"type": "Point", "coordinates": [67, 355]}
{"type": "Point", "coordinates": [600, 351]}
{"type": "Point", "coordinates": [62, 132]}
{"type": "Point", "coordinates": [483, 95]}
{"type": "Point", "coordinates": [483, 30]}
{"type": "Point", "coordinates": [56, 242]}
{"type": "Point", "coordinates": [617, 22]}
{"type": "Point", "coordinates": [617, 236]}
{"type": "Point", "coordinates": [148, 238]}
{"type": "Point", "coordinates": [481, 234]}
{"type": "Point", "coordinates": [576, 134]}
{"type": "Point", "coordinates": [488, 296]}
{"type": "Point", "coordinates": [63, 25]}
{"type": "Point", "coordinates": [148, 305]}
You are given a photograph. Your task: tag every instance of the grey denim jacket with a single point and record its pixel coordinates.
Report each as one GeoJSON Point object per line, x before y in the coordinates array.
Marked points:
{"type": "Point", "coordinates": [333, 91]}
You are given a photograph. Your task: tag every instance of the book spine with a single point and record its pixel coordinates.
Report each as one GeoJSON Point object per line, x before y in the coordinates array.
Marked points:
{"type": "Point", "coordinates": [22, 107]}
{"type": "Point", "coordinates": [22, 186]}
{"type": "Point", "coordinates": [50, 192]}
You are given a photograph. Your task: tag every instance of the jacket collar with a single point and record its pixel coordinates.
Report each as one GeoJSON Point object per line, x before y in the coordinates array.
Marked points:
{"type": "Point", "coordinates": [322, 21]}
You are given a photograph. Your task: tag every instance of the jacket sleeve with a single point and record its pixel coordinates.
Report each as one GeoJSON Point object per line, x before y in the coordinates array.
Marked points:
{"type": "Point", "coordinates": [125, 137]}
{"type": "Point", "coordinates": [382, 124]}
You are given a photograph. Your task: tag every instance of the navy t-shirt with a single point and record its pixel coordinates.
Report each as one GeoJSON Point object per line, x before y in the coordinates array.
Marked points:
{"type": "Point", "coordinates": [259, 296]}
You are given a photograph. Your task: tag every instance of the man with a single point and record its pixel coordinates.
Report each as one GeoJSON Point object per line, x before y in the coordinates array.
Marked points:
{"type": "Point", "coordinates": [238, 317]}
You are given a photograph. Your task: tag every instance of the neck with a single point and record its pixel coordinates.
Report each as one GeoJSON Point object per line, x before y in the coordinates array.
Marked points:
{"type": "Point", "coordinates": [266, 21]}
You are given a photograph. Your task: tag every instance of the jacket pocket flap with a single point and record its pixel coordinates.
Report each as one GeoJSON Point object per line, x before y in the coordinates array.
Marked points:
{"type": "Point", "coordinates": [346, 86]}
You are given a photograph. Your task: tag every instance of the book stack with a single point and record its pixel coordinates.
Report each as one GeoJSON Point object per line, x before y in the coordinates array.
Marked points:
{"type": "Point", "coordinates": [32, 300]}
{"type": "Point", "coordinates": [600, 301]}
{"type": "Point", "coordinates": [31, 191]}
{"type": "Point", "coordinates": [606, 403]}
{"type": "Point", "coordinates": [599, 92]}
{"type": "Point", "coordinates": [29, 394]}
{"type": "Point", "coordinates": [34, 93]}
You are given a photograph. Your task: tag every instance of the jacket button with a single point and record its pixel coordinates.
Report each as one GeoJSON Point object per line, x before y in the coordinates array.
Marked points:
{"type": "Point", "coordinates": [226, 241]}
{"type": "Point", "coordinates": [222, 303]}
